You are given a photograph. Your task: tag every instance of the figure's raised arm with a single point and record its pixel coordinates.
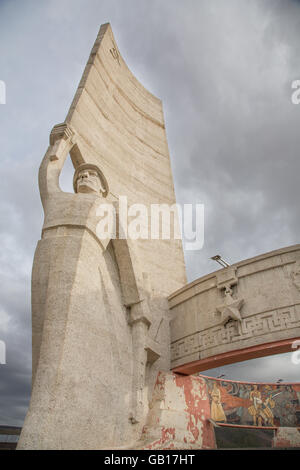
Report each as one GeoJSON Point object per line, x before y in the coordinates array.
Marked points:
{"type": "Point", "coordinates": [62, 139]}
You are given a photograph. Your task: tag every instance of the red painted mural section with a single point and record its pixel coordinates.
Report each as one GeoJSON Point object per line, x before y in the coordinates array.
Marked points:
{"type": "Point", "coordinates": [182, 400]}
{"type": "Point", "coordinates": [197, 405]}
{"type": "Point", "coordinates": [248, 404]}
{"type": "Point", "coordinates": [185, 409]}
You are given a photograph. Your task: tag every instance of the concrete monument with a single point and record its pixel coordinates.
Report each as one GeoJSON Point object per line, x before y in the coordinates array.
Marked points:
{"type": "Point", "coordinates": [111, 316]}
{"type": "Point", "coordinates": [100, 316]}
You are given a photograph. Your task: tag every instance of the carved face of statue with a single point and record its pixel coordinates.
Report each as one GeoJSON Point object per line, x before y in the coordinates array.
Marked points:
{"type": "Point", "coordinates": [88, 181]}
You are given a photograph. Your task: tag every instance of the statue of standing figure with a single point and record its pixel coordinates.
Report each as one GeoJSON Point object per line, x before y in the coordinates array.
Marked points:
{"type": "Point", "coordinates": [78, 315]}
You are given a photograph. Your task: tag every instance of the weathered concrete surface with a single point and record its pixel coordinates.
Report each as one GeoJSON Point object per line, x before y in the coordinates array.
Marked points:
{"type": "Point", "coordinates": [184, 411]}
{"type": "Point", "coordinates": [265, 291]}
{"type": "Point", "coordinates": [287, 437]}
{"type": "Point", "coordinates": [178, 415]}
{"type": "Point", "coordinates": [100, 314]}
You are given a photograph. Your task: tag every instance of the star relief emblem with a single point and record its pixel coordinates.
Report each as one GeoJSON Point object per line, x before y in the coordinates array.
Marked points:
{"type": "Point", "coordinates": [296, 275]}
{"type": "Point", "coordinates": [230, 310]}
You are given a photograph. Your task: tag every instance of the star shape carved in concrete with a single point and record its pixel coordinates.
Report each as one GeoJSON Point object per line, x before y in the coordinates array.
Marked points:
{"type": "Point", "coordinates": [230, 310]}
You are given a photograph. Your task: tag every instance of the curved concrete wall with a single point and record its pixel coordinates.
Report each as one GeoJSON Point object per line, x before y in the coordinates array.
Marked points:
{"type": "Point", "coordinates": [264, 291]}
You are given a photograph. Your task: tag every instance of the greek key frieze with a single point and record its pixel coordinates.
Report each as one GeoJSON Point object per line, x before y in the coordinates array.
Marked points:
{"type": "Point", "coordinates": [257, 325]}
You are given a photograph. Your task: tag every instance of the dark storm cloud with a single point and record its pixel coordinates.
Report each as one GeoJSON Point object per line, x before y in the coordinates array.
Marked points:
{"type": "Point", "coordinates": [224, 73]}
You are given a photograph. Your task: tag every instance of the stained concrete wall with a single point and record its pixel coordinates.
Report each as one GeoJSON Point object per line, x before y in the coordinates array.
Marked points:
{"type": "Point", "coordinates": [265, 291]}
{"type": "Point", "coordinates": [179, 415]}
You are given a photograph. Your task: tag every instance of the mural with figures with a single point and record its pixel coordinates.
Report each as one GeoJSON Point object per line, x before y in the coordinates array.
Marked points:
{"type": "Point", "coordinates": [250, 404]}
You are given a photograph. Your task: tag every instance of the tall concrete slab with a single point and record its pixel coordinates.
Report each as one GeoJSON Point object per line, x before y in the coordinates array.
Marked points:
{"type": "Point", "coordinates": [100, 314]}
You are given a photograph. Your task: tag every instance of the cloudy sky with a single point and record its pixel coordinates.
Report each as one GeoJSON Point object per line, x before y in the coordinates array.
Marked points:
{"type": "Point", "coordinates": [223, 69]}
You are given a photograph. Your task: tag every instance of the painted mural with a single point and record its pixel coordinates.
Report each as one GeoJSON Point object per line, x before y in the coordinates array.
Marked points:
{"type": "Point", "coordinates": [249, 404]}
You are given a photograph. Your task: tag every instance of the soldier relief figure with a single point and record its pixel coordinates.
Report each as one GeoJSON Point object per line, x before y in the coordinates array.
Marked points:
{"type": "Point", "coordinates": [216, 408]}
{"type": "Point", "coordinates": [261, 408]}
{"type": "Point", "coordinates": [89, 178]}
